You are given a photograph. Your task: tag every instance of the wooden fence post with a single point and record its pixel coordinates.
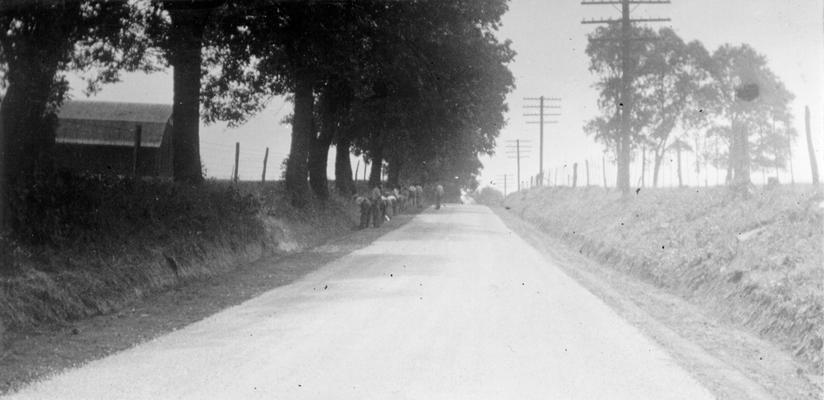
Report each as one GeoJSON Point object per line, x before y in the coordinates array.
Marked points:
{"type": "Point", "coordinates": [138, 133]}
{"type": "Point", "coordinates": [265, 160]}
{"type": "Point", "coordinates": [237, 158]}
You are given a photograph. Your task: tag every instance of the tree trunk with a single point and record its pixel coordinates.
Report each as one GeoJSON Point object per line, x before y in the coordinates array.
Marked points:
{"type": "Point", "coordinates": [296, 166]}
{"type": "Point", "coordinates": [643, 165]}
{"type": "Point", "coordinates": [26, 127]}
{"type": "Point", "coordinates": [27, 132]}
{"type": "Point", "coordinates": [343, 167]}
{"type": "Point", "coordinates": [603, 172]}
{"type": "Point", "coordinates": [32, 60]}
{"type": "Point", "coordinates": [813, 162]}
{"type": "Point", "coordinates": [623, 177]}
{"type": "Point", "coordinates": [318, 160]}
{"type": "Point", "coordinates": [741, 160]}
{"type": "Point", "coordinates": [656, 168]}
{"type": "Point", "coordinates": [376, 164]}
{"type": "Point", "coordinates": [319, 152]}
{"type": "Point", "coordinates": [574, 175]}
{"type": "Point", "coordinates": [698, 163]}
{"type": "Point", "coordinates": [680, 180]}
{"type": "Point", "coordinates": [185, 58]}
{"type": "Point", "coordinates": [394, 173]}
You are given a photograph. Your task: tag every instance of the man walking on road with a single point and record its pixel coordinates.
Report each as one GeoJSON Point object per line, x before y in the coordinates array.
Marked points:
{"type": "Point", "coordinates": [438, 196]}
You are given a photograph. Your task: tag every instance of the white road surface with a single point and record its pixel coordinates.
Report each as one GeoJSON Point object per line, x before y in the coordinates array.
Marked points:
{"type": "Point", "coordinates": [450, 306]}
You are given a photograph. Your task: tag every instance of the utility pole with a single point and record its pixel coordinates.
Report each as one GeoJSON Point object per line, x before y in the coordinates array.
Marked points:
{"type": "Point", "coordinates": [237, 158]}
{"type": "Point", "coordinates": [625, 101]}
{"type": "Point", "coordinates": [810, 149]}
{"type": "Point", "coordinates": [516, 150]}
{"type": "Point", "coordinates": [265, 161]}
{"type": "Point", "coordinates": [544, 103]}
{"type": "Point", "coordinates": [504, 178]}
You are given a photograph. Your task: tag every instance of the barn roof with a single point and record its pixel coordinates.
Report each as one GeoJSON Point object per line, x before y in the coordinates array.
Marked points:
{"type": "Point", "coordinates": [112, 123]}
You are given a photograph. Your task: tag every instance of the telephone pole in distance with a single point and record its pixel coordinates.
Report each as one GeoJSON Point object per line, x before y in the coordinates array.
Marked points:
{"type": "Point", "coordinates": [544, 103]}
{"type": "Point", "coordinates": [515, 149]}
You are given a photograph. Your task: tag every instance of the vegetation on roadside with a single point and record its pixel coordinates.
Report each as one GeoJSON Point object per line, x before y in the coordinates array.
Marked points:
{"type": "Point", "coordinates": [757, 263]}
{"type": "Point", "coordinates": [65, 210]}
{"type": "Point", "coordinates": [89, 244]}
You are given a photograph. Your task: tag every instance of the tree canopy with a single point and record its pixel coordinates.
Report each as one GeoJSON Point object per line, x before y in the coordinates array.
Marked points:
{"type": "Point", "coordinates": [679, 90]}
{"type": "Point", "coordinates": [412, 84]}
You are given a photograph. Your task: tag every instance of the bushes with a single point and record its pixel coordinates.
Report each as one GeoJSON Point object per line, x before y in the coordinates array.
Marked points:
{"type": "Point", "coordinates": [64, 209]}
{"type": "Point", "coordinates": [83, 245]}
{"type": "Point", "coordinates": [87, 245]}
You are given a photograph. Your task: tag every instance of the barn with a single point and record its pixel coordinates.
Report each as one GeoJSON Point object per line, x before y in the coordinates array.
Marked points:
{"type": "Point", "coordinates": [99, 137]}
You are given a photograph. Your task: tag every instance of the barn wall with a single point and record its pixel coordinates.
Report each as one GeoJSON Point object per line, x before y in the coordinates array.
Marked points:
{"type": "Point", "coordinates": [106, 159]}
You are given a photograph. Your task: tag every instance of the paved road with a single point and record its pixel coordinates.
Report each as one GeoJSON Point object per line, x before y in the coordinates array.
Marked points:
{"type": "Point", "coordinates": [450, 306]}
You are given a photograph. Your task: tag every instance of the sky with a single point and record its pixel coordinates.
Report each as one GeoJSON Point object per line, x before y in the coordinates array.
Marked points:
{"type": "Point", "coordinates": [550, 42]}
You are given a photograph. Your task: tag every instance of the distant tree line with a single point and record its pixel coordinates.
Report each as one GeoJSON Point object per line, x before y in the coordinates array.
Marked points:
{"type": "Point", "coordinates": [417, 87]}
{"type": "Point", "coordinates": [727, 107]}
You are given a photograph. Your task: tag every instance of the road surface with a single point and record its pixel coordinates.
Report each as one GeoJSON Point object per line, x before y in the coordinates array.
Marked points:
{"type": "Point", "coordinates": [451, 305]}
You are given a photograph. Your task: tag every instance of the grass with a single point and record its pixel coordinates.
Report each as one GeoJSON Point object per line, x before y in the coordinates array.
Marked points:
{"type": "Point", "coordinates": [757, 263]}
{"type": "Point", "coordinates": [85, 246]}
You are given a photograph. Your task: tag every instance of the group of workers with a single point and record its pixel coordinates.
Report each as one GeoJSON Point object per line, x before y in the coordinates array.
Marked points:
{"type": "Point", "coordinates": [378, 204]}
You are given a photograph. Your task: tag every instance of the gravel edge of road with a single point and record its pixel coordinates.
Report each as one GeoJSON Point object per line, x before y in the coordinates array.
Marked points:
{"type": "Point", "coordinates": [36, 355]}
{"type": "Point", "coordinates": [731, 363]}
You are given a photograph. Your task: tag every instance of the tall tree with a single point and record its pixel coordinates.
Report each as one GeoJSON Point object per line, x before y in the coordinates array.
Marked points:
{"type": "Point", "coordinates": [621, 125]}
{"type": "Point", "coordinates": [290, 47]}
{"type": "Point", "coordinates": [679, 146]}
{"type": "Point", "coordinates": [669, 83]}
{"type": "Point", "coordinates": [746, 97]}
{"type": "Point", "coordinates": [394, 58]}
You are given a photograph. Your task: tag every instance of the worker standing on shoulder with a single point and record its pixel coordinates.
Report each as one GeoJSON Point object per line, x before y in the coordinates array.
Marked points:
{"type": "Point", "coordinates": [365, 210]}
{"type": "Point", "coordinates": [376, 198]}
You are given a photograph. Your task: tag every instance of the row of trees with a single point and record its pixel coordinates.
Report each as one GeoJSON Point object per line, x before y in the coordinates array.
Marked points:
{"type": "Point", "coordinates": [415, 86]}
{"type": "Point", "coordinates": [728, 107]}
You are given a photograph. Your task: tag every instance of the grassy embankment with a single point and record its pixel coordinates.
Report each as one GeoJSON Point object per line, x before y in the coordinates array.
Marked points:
{"type": "Point", "coordinates": [757, 263]}
{"type": "Point", "coordinates": [87, 246]}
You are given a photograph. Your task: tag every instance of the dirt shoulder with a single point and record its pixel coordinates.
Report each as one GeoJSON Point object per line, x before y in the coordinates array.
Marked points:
{"type": "Point", "coordinates": [730, 362]}
{"type": "Point", "coordinates": [37, 353]}
{"type": "Point", "coordinates": [756, 262]}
